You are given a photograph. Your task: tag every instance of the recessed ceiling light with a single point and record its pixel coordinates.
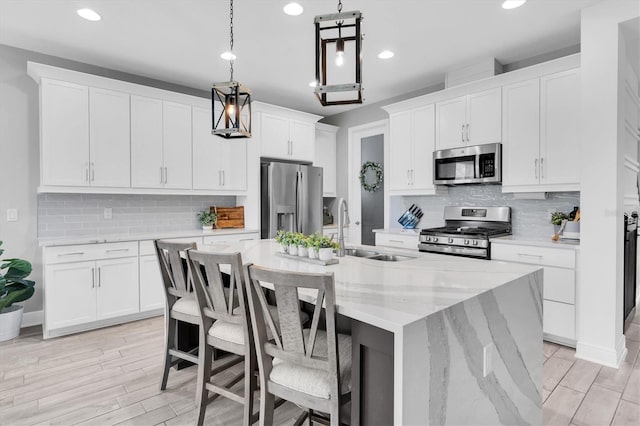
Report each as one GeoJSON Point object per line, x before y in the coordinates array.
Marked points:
{"type": "Point", "coordinates": [228, 56]}
{"type": "Point", "coordinates": [89, 15]}
{"type": "Point", "coordinates": [512, 4]}
{"type": "Point", "coordinates": [385, 54]}
{"type": "Point", "coordinates": [293, 9]}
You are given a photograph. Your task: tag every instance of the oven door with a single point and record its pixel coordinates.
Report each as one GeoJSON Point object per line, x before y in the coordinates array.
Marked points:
{"type": "Point", "coordinates": [470, 164]}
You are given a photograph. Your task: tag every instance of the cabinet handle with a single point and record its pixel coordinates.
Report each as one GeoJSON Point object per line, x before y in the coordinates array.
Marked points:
{"type": "Point", "coordinates": [93, 172]}
{"type": "Point", "coordinates": [161, 175]}
{"type": "Point", "coordinates": [408, 177]}
{"type": "Point", "coordinates": [166, 175]}
{"type": "Point", "coordinates": [86, 174]}
{"type": "Point", "coordinates": [462, 134]}
{"type": "Point", "coordinates": [541, 168]}
{"type": "Point", "coordinates": [396, 241]}
{"type": "Point", "coordinates": [219, 177]}
{"type": "Point", "coordinates": [93, 278]}
{"type": "Point", "coordinates": [537, 256]}
{"type": "Point", "coordinates": [222, 177]}
{"type": "Point", "coordinates": [535, 167]}
{"type": "Point", "coordinates": [468, 132]}
{"type": "Point", "coordinates": [77, 253]}
{"type": "Point", "coordinates": [117, 250]}
{"type": "Point", "coordinates": [99, 278]}
{"type": "Point", "coordinates": [413, 176]}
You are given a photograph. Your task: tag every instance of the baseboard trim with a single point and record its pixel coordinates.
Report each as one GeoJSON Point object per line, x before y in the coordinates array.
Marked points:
{"type": "Point", "coordinates": [610, 357]}
{"type": "Point", "coordinates": [29, 319]}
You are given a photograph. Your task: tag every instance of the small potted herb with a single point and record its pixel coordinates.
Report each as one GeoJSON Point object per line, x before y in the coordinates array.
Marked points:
{"type": "Point", "coordinates": [311, 245]}
{"type": "Point", "coordinates": [556, 219]}
{"type": "Point", "coordinates": [325, 248]}
{"type": "Point", "coordinates": [294, 241]}
{"type": "Point", "coordinates": [303, 245]}
{"type": "Point", "coordinates": [207, 219]}
{"type": "Point", "coordinates": [282, 238]}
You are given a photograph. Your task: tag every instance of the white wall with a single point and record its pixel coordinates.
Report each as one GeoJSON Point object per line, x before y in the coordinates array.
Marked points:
{"type": "Point", "coordinates": [599, 298]}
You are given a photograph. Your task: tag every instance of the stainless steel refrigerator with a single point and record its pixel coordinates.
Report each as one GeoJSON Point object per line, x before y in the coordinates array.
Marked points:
{"type": "Point", "coordinates": [291, 198]}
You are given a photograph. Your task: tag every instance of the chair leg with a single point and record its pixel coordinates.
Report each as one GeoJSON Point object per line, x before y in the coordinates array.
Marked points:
{"type": "Point", "coordinates": [250, 385]}
{"type": "Point", "coordinates": [205, 352]}
{"type": "Point", "coordinates": [266, 407]}
{"type": "Point", "coordinates": [169, 343]}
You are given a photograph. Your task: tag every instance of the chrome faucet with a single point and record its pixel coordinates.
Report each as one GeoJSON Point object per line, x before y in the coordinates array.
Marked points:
{"type": "Point", "coordinates": [343, 219]}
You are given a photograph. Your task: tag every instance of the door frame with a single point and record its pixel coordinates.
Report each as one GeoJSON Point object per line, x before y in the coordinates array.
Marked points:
{"type": "Point", "coordinates": [356, 134]}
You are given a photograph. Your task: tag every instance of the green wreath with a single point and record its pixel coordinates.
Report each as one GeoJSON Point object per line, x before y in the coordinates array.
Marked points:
{"type": "Point", "coordinates": [375, 167]}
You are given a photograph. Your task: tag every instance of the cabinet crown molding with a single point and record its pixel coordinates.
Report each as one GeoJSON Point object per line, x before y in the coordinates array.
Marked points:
{"type": "Point", "coordinates": [258, 106]}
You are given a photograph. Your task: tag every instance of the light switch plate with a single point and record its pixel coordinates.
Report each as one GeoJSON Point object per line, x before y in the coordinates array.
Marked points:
{"type": "Point", "coordinates": [108, 213]}
{"type": "Point", "coordinates": [487, 357]}
{"type": "Point", "coordinates": [12, 215]}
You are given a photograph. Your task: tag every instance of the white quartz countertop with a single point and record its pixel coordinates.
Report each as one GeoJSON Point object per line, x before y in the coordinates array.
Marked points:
{"type": "Point", "coordinates": [390, 295]}
{"type": "Point", "coordinates": [112, 238]}
{"type": "Point", "coordinates": [399, 231]}
{"type": "Point", "coordinates": [564, 244]}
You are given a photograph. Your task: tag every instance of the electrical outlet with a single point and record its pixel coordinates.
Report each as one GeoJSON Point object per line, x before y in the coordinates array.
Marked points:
{"type": "Point", "coordinates": [487, 359]}
{"type": "Point", "coordinates": [12, 215]}
{"type": "Point", "coordinates": [108, 213]}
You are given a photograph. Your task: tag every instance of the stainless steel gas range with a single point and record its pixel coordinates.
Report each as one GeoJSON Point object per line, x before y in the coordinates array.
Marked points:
{"type": "Point", "coordinates": [467, 231]}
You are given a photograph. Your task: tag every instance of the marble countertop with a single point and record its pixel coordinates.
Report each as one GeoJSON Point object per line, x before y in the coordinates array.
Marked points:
{"type": "Point", "coordinates": [112, 238]}
{"type": "Point", "coordinates": [399, 231]}
{"type": "Point", "coordinates": [391, 295]}
{"type": "Point", "coordinates": [564, 244]}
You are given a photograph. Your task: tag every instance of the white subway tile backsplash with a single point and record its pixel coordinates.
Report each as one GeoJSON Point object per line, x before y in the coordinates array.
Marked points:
{"type": "Point", "coordinates": [78, 215]}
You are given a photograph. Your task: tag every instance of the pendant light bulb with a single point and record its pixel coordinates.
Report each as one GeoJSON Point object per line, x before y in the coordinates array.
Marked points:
{"type": "Point", "coordinates": [231, 108]}
{"type": "Point", "coordinates": [340, 52]}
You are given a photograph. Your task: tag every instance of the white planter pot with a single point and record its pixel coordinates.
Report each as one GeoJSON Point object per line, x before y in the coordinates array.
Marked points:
{"type": "Point", "coordinates": [207, 227]}
{"type": "Point", "coordinates": [293, 250]}
{"type": "Point", "coordinates": [313, 253]}
{"type": "Point", "coordinates": [283, 248]}
{"type": "Point", "coordinates": [302, 251]}
{"type": "Point", "coordinates": [325, 253]}
{"type": "Point", "coordinates": [10, 322]}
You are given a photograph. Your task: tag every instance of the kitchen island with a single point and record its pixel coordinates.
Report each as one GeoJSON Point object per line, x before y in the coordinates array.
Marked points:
{"type": "Point", "coordinates": [467, 333]}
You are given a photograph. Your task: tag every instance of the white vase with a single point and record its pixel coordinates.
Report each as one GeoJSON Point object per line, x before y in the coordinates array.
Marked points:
{"type": "Point", "coordinates": [302, 251]}
{"type": "Point", "coordinates": [293, 250]}
{"type": "Point", "coordinates": [207, 227]}
{"type": "Point", "coordinates": [313, 253]}
{"type": "Point", "coordinates": [10, 322]}
{"type": "Point", "coordinates": [283, 248]}
{"type": "Point", "coordinates": [325, 253]}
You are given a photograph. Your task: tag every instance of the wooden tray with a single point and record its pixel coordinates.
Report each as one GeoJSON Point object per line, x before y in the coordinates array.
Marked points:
{"type": "Point", "coordinates": [331, 261]}
{"type": "Point", "coordinates": [229, 217]}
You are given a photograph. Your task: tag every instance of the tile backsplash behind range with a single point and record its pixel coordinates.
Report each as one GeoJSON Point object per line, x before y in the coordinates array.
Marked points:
{"type": "Point", "coordinates": [530, 218]}
{"type": "Point", "coordinates": [80, 215]}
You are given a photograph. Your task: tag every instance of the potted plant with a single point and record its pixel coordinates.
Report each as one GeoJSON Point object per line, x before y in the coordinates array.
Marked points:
{"type": "Point", "coordinates": [303, 245]}
{"type": "Point", "coordinates": [13, 288]}
{"type": "Point", "coordinates": [312, 251]}
{"type": "Point", "coordinates": [282, 238]}
{"type": "Point", "coordinates": [325, 247]}
{"type": "Point", "coordinates": [207, 219]}
{"type": "Point", "coordinates": [293, 241]}
{"type": "Point", "coordinates": [556, 219]}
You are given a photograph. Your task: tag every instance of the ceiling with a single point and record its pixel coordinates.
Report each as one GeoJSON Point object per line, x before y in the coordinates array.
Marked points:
{"type": "Point", "coordinates": [179, 41]}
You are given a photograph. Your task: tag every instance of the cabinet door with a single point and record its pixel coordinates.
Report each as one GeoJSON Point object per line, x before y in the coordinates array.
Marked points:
{"type": "Point", "coordinates": [117, 281]}
{"type": "Point", "coordinates": [176, 127]}
{"type": "Point", "coordinates": [326, 158]}
{"type": "Point", "coordinates": [146, 143]}
{"type": "Point", "coordinates": [70, 294]}
{"type": "Point", "coordinates": [521, 124]}
{"type": "Point", "coordinates": [399, 170]}
{"type": "Point", "coordinates": [450, 122]}
{"type": "Point", "coordinates": [151, 286]}
{"type": "Point", "coordinates": [484, 117]}
{"type": "Point", "coordinates": [274, 137]}
{"type": "Point", "coordinates": [233, 164]}
{"type": "Point", "coordinates": [303, 137]}
{"type": "Point", "coordinates": [206, 152]}
{"type": "Point", "coordinates": [423, 137]}
{"type": "Point", "coordinates": [64, 129]}
{"type": "Point", "coordinates": [109, 138]}
{"type": "Point", "coordinates": [560, 111]}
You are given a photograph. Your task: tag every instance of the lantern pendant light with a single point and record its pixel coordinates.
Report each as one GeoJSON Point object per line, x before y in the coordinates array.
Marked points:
{"type": "Point", "coordinates": [338, 76]}
{"type": "Point", "coordinates": [231, 102]}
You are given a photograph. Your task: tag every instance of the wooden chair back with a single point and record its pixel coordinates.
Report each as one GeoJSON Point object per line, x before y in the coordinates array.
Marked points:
{"type": "Point", "coordinates": [215, 303]}
{"type": "Point", "coordinates": [290, 344]}
{"type": "Point", "coordinates": [173, 268]}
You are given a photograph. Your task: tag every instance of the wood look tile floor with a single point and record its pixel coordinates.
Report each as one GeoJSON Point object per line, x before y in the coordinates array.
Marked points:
{"type": "Point", "coordinates": [111, 376]}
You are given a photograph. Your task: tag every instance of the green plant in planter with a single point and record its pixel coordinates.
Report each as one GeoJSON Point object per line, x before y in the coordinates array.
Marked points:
{"type": "Point", "coordinates": [282, 237]}
{"type": "Point", "coordinates": [13, 285]}
{"type": "Point", "coordinates": [325, 242]}
{"type": "Point", "coordinates": [207, 218]}
{"type": "Point", "coordinates": [557, 217]}
{"type": "Point", "coordinates": [312, 239]}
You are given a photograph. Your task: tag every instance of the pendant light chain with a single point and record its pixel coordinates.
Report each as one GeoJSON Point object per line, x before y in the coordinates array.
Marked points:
{"type": "Point", "coordinates": [231, 37]}
{"type": "Point", "coordinates": [339, 23]}
{"type": "Point", "coordinates": [339, 6]}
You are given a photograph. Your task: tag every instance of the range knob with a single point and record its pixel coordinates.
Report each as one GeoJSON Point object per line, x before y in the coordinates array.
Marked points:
{"type": "Point", "coordinates": [435, 239]}
{"type": "Point", "coordinates": [475, 242]}
{"type": "Point", "coordinates": [427, 238]}
{"type": "Point", "coordinates": [450, 240]}
{"type": "Point", "coordinates": [466, 242]}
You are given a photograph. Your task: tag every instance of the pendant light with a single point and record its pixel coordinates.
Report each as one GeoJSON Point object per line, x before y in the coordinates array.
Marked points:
{"type": "Point", "coordinates": [338, 76]}
{"type": "Point", "coordinates": [231, 101]}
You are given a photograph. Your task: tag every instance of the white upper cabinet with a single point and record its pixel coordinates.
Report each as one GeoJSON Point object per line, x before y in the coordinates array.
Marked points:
{"type": "Point", "coordinates": [287, 138]}
{"type": "Point", "coordinates": [540, 127]}
{"type": "Point", "coordinates": [473, 119]}
{"type": "Point", "coordinates": [559, 132]}
{"type": "Point", "coordinates": [218, 163]}
{"type": "Point", "coordinates": [412, 142]}
{"type": "Point", "coordinates": [176, 145]}
{"type": "Point", "coordinates": [64, 121]}
{"type": "Point", "coordinates": [160, 144]}
{"type": "Point", "coordinates": [109, 136]}
{"type": "Point", "coordinates": [326, 157]}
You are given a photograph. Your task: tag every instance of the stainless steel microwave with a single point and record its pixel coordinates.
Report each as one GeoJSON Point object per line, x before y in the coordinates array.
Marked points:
{"type": "Point", "coordinates": [469, 164]}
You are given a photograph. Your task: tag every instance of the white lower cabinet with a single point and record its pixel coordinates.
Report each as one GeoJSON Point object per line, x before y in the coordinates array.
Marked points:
{"type": "Point", "coordinates": [559, 285]}
{"type": "Point", "coordinates": [151, 286]}
{"type": "Point", "coordinates": [404, 240]}
{"type": "Point", "coordinates": [70, 294]}
{"type": "Point", "coordinates": [117, 287]}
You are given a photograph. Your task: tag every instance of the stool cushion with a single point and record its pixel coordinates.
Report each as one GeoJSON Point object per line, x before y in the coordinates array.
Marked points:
{"type": "Point", "coordinates": [234, 332]}
{"type": "Point", "coordinates": [186, 305]}
{"type": "Point", "coordinates": [312, 381]}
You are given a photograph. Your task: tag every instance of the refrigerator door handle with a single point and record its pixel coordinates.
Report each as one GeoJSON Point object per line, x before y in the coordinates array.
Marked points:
{"type": "Point", "coordinates": [297, 208]}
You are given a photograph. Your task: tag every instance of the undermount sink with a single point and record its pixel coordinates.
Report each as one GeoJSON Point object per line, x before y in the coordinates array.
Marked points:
{"type": "Point", "coordinates": [374, 255]}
